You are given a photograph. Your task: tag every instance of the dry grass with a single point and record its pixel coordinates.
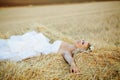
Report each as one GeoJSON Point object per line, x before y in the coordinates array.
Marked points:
{"type": "Point", "coordinates": [98, 25]}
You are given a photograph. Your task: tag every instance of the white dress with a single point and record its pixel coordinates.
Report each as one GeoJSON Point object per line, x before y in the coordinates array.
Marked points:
{"type": "Point", "coordinates": [23, 46]}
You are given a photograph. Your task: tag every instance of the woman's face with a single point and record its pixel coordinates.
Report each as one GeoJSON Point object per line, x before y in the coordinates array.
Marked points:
{"type": "Point", "coordinates": [82, 44]}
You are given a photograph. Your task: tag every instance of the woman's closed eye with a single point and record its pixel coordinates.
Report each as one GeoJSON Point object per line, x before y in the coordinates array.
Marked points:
{"type": "Point", "coordinates": [83, 42]}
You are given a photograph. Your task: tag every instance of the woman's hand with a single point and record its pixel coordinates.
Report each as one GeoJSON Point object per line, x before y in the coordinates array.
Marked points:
{"type": "Point", "coordinates": [74, 69]}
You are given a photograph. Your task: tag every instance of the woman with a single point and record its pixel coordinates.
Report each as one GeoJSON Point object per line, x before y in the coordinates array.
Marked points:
{"type": "Point", "coordinates": [68, 50]}
{"type": "Point", "coordinates": [20, 47]}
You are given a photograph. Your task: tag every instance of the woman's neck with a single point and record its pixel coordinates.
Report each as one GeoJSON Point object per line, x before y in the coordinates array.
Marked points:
{"type": "Point", "coordinates": [73, 47]}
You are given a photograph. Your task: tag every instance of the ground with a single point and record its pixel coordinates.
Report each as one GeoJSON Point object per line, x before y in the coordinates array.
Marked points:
{"type": "Point", "coordinates": [96, 22]}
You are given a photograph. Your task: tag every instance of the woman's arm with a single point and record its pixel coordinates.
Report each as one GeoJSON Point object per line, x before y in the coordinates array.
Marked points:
{"type": "Point", "coordinates": [68, 57]}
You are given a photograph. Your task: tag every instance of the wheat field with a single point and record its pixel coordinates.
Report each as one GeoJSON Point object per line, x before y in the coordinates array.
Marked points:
{"type": "Point", "coordinates": [96, 22]}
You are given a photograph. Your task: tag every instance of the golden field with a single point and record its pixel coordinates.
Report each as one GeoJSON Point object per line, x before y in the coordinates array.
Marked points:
{"type": "Point", "coordinates": [96, 22]}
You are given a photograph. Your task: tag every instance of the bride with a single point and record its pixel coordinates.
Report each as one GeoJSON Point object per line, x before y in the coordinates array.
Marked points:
{"type": "Point", "coordinates": [19, 47]}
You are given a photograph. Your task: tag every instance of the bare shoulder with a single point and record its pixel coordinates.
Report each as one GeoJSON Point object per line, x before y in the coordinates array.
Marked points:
{"type": "Point", "coordinates": [65, 47]}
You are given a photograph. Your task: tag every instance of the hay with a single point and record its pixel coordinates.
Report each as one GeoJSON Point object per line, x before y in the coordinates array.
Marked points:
{"type": "Point", "coordinates": [53, 67]}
